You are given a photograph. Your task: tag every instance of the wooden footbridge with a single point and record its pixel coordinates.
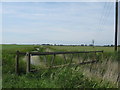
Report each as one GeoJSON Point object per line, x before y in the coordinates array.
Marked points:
{"type": "Point", "coordinates": [29, 54]}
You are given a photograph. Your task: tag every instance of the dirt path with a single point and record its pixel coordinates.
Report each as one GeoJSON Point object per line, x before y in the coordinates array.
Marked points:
{"type": "Point", "coordinates": [35, 60]}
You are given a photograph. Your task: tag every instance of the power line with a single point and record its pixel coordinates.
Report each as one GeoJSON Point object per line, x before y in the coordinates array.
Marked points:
{"type": "Point", "coordinates": [102, 15]}
{"type": "Point", "coordinates": [106, 16]}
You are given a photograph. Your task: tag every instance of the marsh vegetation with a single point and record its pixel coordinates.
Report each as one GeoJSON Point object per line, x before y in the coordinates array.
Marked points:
{"type": "Point", "coordinates": [103, 74]}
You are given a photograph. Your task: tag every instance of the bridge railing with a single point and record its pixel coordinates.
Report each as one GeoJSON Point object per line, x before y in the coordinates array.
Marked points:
{"type": "Point", "coordinates": [29, 54]}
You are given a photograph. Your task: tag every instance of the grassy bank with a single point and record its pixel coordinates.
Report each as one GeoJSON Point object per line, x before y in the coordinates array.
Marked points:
{"type": "Point", "coordinates": [67, 77]}
{"type": "Point", "coordinates": [106, 68]}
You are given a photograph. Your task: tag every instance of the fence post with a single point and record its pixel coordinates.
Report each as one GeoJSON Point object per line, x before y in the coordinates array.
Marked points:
{"type": "Point", "coordinates": [71, 59]}
{"type": "Point", "coordinates": [28, 63]}
{"type": "Point", "coordinates": [53, 58]}
{"type": "Point", "coordinates": [102, 55]}
{"type": "Point", "coordinates": [79, 58]}
{"type": "Point", "coordinates": [45, 60]}
{"type": "Point", "coordinates": [65, 58]}
{"type": "Point", "coordinates": [17, 63]}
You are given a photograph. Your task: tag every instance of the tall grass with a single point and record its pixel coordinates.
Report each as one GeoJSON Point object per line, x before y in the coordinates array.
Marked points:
{"type": "Point", "coordinates": [105, 69]}
{"type": "Point", "coordinates": [65, 77]}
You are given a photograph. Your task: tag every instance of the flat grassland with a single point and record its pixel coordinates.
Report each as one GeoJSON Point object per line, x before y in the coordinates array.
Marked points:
{"type": "Point", "coordinates": [83, 48]}
{"type": "Point", "coordinates": [67, 77]}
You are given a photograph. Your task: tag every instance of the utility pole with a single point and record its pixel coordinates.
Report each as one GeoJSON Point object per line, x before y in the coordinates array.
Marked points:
{"type": "Point", "coordinates": [116, 24]}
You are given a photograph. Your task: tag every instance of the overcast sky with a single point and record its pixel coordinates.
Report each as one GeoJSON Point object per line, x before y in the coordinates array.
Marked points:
{"type": "Point", "coordinates": [58, 23]}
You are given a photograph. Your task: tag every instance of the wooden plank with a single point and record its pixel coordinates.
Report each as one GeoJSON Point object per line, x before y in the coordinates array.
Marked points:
{"type": "Point", "coordinates": [74, 64]}
{"type": "Point", "coordinates": [52, 53]}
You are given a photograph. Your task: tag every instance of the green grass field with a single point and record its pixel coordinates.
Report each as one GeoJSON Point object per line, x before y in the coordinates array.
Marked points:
{"type": "Point", "coordinates": [67, 77]}
{"type": "Point", "coordinates": [82, 48]}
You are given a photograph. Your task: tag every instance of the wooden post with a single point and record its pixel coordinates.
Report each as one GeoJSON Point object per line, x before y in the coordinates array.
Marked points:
{"type": "Point", "coordinates": [96, 57]}
{"type": "Point", "coordinates": [78, 61]}
{"type": "Point", "coordinates": [17, 63]}
{"type": "Point", "coordinates": [28, 63]}
{"type": "Point", "coordinates": [78, 58]}
{"type": "Point", "coordinates": [65, 58]}
{"type": "Point", "coordinates": [71, 59]}
{"type": "Point", "coordinates": [45, 60]}
{"type": "Point", "coordinates": [53, 58]}
{"type": "Point", "coordinates": [102, 56]}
